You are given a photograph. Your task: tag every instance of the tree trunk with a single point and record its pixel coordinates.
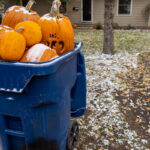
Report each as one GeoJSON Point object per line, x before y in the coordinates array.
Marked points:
{"type": "Point", "coordinates": [108, 47]}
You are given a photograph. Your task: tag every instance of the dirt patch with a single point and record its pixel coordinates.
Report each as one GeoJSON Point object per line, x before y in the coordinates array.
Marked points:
{"type": "Point", "coordinates": [135, 100]}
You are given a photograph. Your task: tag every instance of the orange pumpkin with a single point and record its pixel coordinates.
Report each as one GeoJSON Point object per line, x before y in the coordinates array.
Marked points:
{"type": "Point", "coordinates": [57, 30]}
{"type": "Point", "coordinates": [4, 28]}
{"type": "Point", "coordinates": [75, 26]}
{"type": "Point", "coordinates": [16, 14]}
{"type": "Point", "coordinates": [12, 45]}
{"type": "Point", "coordinates": [39, 53]}
{"type": "Point", "coordinates": [31, 32]}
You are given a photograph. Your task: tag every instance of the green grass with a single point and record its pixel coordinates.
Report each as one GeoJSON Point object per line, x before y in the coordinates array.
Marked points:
{"type": "Point", "coordinates": [128, 41]}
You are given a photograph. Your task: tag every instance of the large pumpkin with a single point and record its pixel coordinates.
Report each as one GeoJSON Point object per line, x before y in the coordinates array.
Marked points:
{"type": "Point", "coordinates": [16, 14]}
{"type": "Point", "coordinates": [31, 32]}
{"type": "Point", "coordinates": [57, 30]}
{"type": "Point", "coordinates": [12, 45]}
{"type": "Point", "coordinates": [39, 53]}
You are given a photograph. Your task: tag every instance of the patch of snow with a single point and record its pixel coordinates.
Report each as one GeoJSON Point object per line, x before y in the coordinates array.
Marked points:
{"type": "Point", "coordinates": [5, 28]}
{"type": "Point", "coordinates": [2, 89]}
{"type": "Point", "coordinates": [8, 90]}
{"type": "Point", "coordinates": [14, 90]}
{"type": "Point", "coordinates": [11, 8]}
{"type": "Point", "coordinates": [106, 142]}
{"type": "Point", "coordinates": [35, 53]}
{"type": "Point", "coordinates": [48, 17]}
{"type": "Point", "coordinates": [105, 117]}
{"type": "Point", "coordinates": [23, 9]}
{"type": "Point", "coordinates": [10, 98]}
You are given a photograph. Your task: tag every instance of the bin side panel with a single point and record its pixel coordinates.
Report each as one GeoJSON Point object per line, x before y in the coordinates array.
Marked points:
{"type": "Point", "coordinates": [78, 93]}
{"type": "Point", "coordinates": [14, 79]}
{"type": "Point", "coordinates": [42, 110]}
{"type": "Point", "coordinates": [15, 76]}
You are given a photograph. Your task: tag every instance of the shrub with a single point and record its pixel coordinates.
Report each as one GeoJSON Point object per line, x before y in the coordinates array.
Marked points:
{"type": "Point", "coordinates": [98, 26]}
{"type": "Point", "coordinates": [129, 27]}
{"type": "Point", "coordinates": [116, 25]}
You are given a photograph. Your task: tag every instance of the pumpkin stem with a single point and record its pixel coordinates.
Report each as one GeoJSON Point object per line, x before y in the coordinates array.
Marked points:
{"type": "Point", "coordinates": [30, 4]}
{"type": "Point", "coordinates": [55, 8]}
{"type": "Point", "coordinates": [20, 29]}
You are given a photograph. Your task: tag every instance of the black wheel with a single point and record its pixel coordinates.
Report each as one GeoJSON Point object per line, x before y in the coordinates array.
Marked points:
{"type": "Point", "coordinates": [72, 135]}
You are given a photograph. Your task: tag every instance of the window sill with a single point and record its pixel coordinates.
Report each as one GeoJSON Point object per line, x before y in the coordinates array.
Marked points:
{"type": "Point", "coordinates": [121, 15]}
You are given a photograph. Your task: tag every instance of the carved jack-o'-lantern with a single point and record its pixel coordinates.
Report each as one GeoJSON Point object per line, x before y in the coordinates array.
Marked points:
{"type": "Point", "coordinates": [57, 30]}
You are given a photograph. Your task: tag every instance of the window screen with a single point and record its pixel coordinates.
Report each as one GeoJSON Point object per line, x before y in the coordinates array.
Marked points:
{"type": "Point", "coordinates": [124, 7]}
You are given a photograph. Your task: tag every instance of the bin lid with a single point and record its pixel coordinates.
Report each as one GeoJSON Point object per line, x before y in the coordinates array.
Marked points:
{"type": "Point", "coordinates": [14, 76]}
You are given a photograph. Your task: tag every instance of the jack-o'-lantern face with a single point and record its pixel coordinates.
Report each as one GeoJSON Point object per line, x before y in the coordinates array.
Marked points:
{"type": "Point", "coordinates": [57, 30]}
{"type": "Point", "coordinates": [57, 33]}
{"type": "Point", "coordinates": [54, 43]}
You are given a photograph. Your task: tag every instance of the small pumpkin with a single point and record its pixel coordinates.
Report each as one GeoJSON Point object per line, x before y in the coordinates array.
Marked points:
{"type": "Point", "coordinates": [57, 30]}
{"type": "Point", "coordinates": [39, 53]}
{"type": "Point", "coordinates": [31, 32]}
{"type": "Point", "coordinates": [75, 26]}
{"type": "Point", "coordinates": [16, 14]}
{"type": "Point", "coordinates": [12, 45]}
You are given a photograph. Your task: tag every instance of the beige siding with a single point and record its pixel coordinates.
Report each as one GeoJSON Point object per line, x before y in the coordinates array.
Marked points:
{"type": "Point", "coordinates": [42, 6]}
{"type": "Point", "coordinates": [75, 16]}
{"type": "Point", "coordinates": [136, 18]}
{"type": "Point", "coordinates": [98, 11]}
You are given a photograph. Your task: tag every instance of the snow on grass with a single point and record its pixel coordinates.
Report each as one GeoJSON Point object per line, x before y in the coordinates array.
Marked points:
{"type": "Point", "coordinates": [132, 41]}
{"type": "Point", "coordinates": [104, 126]}
{"type": "Point", "coordinates": [105, 123]}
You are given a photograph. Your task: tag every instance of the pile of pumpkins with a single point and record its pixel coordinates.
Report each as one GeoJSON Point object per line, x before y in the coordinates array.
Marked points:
{"type": "Point", "coordinates": [27, 37]}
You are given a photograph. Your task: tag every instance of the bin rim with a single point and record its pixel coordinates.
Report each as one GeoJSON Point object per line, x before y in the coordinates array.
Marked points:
{"type": "Point", "coordinates": [15, 76]}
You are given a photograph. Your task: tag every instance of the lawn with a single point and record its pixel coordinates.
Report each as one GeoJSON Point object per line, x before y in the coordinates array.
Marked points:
{"type": "Point", "coordinates": [118, 92]}
{"type": "Point", "coordinates": [128, 41]}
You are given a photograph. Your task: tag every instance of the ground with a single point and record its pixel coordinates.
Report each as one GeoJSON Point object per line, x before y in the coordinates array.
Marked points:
{"type": "Point", "coordinates": [118, 92]}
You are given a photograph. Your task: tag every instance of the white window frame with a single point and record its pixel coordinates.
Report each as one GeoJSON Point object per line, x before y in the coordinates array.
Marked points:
{"type": "Point", "coordinates": [124, 14]}
{"type": "Point", "coordinates": [91, 12]}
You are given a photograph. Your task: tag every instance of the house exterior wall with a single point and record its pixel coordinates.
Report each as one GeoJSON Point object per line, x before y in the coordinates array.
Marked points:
{"type": "Point", "coordinates": [42, 6]}
{"type": "Point", "coordinates": [136, 18]}
{"type": "Point", "coordinates": [98, 11]}
{"type": "Point", "coordinates": [75, 16]}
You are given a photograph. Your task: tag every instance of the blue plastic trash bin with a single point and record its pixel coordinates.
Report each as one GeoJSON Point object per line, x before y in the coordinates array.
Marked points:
{"type": "Point", "coordinates": [37, 100]}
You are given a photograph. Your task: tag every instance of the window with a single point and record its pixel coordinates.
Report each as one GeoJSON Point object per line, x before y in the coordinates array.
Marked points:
{"type": "Point", "coordinates": [63, 8]}
{"type": "Point", "coordinates": [124, 7]}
